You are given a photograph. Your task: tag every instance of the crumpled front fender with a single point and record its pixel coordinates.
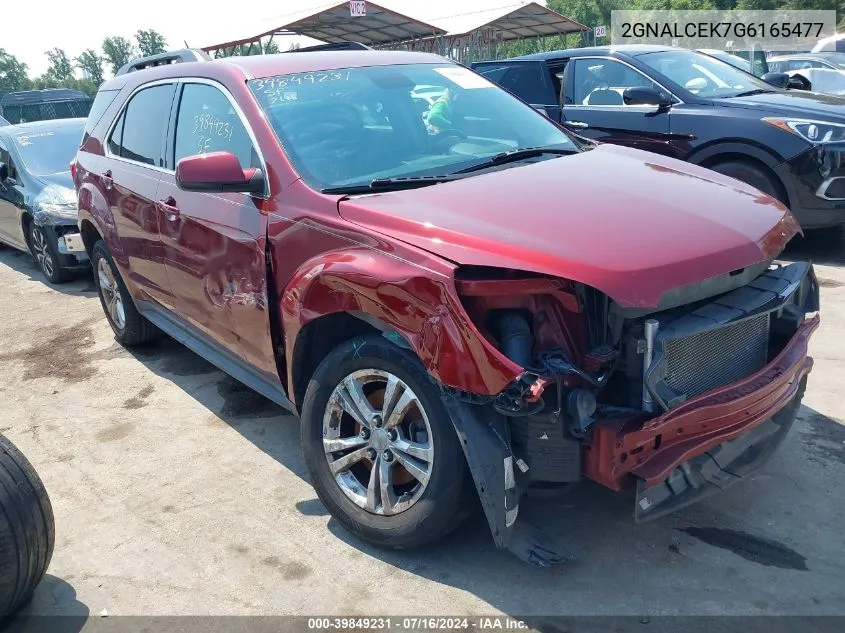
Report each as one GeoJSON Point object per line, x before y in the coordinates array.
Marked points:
{"type": "Point", "coordinates": [406, 300]}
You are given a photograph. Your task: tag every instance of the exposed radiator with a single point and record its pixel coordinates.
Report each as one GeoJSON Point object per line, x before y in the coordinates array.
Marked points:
{"type": "Point", "coordinates": [716, 357]}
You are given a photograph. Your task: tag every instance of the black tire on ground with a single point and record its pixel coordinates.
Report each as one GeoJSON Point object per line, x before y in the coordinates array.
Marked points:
{"type": "Point", "coordinates": [27, 531]}
{"type": "Point", "coordinates": [828, 236]}
{"type": "Point", "coordinates": [446, 501]}
{"type": "Point", "coordinates": [47, 255]}
{"type": "Point", "coordinates": [751, 174]}
{"type": "Point", "coordinates": [136, 329]}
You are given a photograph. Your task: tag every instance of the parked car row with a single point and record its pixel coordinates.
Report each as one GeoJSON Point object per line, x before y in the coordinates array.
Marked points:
{"type": "Point", "coordinates": [470, 304]}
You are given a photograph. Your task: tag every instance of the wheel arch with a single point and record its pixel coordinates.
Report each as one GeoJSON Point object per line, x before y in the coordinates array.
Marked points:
{"type": "Point", "coordinates": [338, 296]}
{"type": "Point", "coordinates": [95, 213]}
{"type": "Point", "coordinates": [90, 235]}
{"type": "Point", "coordinates": [319, 337]}
{"type": "Point", "coordinates": [765, 160]}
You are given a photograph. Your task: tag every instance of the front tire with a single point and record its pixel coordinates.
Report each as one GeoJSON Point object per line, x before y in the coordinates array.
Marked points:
{"type": "Point", "coordinates": [27, 529]}
{"type": "Point", "coordinates": [751, 174]}
{"type": "Point", "coordinates": [47, 255]}
{"type": "Point", "coordinates": [129, 326]}
{"type": "Point", "coordinates": [380, 447]}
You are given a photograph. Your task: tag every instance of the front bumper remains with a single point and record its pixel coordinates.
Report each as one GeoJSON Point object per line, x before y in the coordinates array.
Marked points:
{"type": "Point", "coordinates": [718, 468]}
{"type": "Point", "coordinates": [692, 450]}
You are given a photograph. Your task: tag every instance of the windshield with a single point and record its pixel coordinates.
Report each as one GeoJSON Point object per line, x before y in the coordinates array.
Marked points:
{"type": "Point", "coordinates": [702, 75]}
{"type": "Point", "coordinates": [733, 60]}
{"type": "Point", "coordinates": [49, 151]}
{"type": "Point", "coordinates": [351, 126]}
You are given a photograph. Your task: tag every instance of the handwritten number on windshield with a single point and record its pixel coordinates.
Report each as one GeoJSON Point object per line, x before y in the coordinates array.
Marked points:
{"type": "Point", "coordinates": [298, 79]}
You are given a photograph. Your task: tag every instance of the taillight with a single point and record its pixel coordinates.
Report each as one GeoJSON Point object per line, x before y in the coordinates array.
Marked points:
{"type": "Point", "coordinates": [73, 170]}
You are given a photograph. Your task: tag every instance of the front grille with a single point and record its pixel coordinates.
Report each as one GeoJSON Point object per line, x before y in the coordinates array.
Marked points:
{"type": "Point", "coordinates": [710, 359]}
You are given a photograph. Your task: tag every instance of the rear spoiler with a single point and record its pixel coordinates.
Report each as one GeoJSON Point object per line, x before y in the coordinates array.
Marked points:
{"type": "Point", "coordinates": [163, 59]}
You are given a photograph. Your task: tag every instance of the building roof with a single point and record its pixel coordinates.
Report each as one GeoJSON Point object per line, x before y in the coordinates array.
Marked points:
{"type": "Point", "coordinates": [379, 26]}
{"type": "Point", "coordinates": [383, 26]}
{"type": "Point", "coordinates": [516, 21]}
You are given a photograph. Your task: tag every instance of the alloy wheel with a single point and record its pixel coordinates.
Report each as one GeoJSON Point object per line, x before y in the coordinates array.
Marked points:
{"type": "Point", "coordinates": [42, 252]}
{"type": "Point", "coordinates": [110, 291]}
{"type": "Point", "coordinates": [378, 441]}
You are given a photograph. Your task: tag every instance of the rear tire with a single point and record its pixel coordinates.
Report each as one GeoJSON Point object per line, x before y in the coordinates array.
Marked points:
{"type": "Point", "coordinates": [130, 327]}
{"type": "Point", "coordinates": [406, 512]}
{"type": "Point", "coordinates": [753, 175]}
{"type": "Point", "coordinates": [27, 530]}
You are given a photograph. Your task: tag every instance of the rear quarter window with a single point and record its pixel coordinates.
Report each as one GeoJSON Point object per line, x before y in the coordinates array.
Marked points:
{"type": "Point", "coordinates": [526, 81]}
{"type": "Point", "coordinates": [101, 103]}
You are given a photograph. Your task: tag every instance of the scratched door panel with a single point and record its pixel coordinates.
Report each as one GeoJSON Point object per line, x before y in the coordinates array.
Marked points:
{"type": "Point", "coordinates": [132, 198]}
{"type": "Point", "coordinates": [134, 167]}
{"type": "Point", "coordinates": [214, 251]}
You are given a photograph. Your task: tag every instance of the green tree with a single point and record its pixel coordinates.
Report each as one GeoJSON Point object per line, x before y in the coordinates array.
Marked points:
{"type": "Point", "coordinates": [61, 68]}
{"type": "Point", "coordinates": [150, 42]}
{"type": "Point", "coordinates": [117, 51]}
{"type": "Point", "coordinates": [13, 74]}
{"type": "Point", "coordinates": [92, 64]}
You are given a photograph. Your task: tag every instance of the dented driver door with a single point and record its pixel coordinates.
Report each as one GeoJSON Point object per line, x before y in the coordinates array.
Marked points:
{"type": "Point", "coordinates": [214, 242]}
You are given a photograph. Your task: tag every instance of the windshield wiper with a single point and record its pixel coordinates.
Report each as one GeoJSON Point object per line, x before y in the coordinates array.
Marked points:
{"type": "Point", "coordinates": [390, 184]}
{"type": "Point", "coordinates": [751, 93]}
{"type": "Point", "coordinates": [516, 155]}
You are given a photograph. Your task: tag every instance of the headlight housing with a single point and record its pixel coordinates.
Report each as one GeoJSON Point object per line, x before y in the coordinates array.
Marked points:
{"type": "Point", "coordinates": [54, 203]}
{"type": "Point", "coordinates": [814, 132]}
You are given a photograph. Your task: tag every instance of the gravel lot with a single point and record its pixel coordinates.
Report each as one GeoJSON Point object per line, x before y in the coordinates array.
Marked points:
{"type": "Point", "coordinates": [177, 491]}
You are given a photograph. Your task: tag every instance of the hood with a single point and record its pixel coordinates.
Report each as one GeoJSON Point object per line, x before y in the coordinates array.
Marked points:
{"type": "Point", "coordinates": [62, 179]}
{"type": "Point", "coordinates": [629, 223]}
{"type": "Point", "coordinates": [797, 103]}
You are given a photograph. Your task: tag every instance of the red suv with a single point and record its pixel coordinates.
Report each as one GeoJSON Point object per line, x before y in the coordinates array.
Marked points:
{"type": "Point", "coordinates": [473, 308]}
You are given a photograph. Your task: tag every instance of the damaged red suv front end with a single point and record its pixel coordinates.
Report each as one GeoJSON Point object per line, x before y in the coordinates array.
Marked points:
{"type": "Point", "coordinates": [655, 344]}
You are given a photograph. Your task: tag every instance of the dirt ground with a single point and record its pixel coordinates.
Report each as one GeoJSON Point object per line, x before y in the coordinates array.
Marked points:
{"type": "Point", "coordinates": [178, 491]}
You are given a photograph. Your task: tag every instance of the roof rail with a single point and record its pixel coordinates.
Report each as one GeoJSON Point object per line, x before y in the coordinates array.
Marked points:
{"type": "Point", "coordinates": [163, 59]}
{"type": "Point", "coordinates": [338, 46]}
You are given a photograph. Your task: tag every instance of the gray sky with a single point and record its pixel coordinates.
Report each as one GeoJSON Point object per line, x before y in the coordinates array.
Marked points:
{"type": "Point", "coordinates": [28, 32]}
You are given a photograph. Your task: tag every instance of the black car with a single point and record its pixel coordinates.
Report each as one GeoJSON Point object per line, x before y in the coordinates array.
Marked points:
{"type": "Point", "coordinates": [38, 210]}
{"type": "Point", "coordinates": [787, 143]}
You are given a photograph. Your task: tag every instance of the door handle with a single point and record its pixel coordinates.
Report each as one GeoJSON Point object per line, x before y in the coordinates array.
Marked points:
{"type": "Point", "coordinates": [107, 179]}
{"type": "Point", "coordinates": [169, 208]}
{"type": "Point", "coordinates": [578, 125]}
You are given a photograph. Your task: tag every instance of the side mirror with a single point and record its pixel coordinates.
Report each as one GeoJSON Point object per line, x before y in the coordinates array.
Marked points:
{"type": "Point", "coordinates": [778, 80]}
{"type": "Point", "coordinates": [645, 95]}
{"type": "Point", "coordinates": [218, 172]}
{"type": "Point", "coordinates": [4, 172]}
